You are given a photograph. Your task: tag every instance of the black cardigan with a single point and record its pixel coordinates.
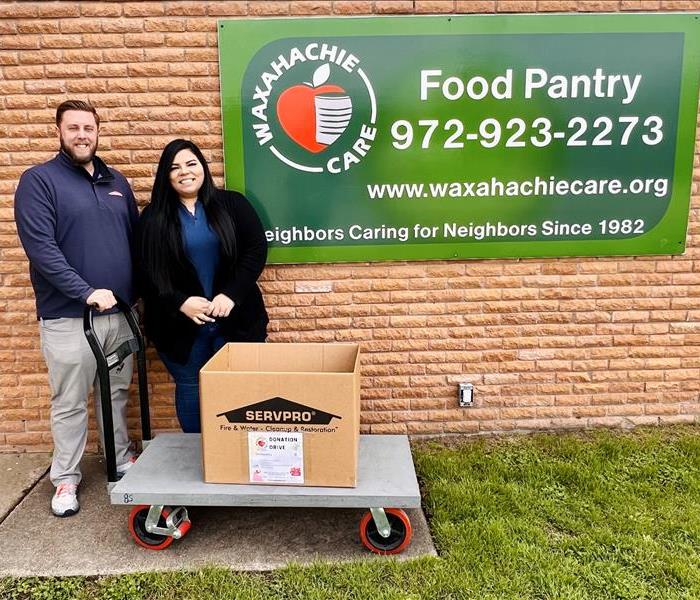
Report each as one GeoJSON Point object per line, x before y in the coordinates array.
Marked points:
{"type": "Point", "coordinates": [169, 329]}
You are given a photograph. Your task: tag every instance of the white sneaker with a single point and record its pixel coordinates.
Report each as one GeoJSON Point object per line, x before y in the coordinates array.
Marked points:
{"type": "Point", "coordinates": [65, 501]}
{"type": "Point", "coordinates": [122, 469]}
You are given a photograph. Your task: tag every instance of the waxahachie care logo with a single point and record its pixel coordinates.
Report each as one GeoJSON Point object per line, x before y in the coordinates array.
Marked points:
{"type": "Point", "coordinates": [315, 126]}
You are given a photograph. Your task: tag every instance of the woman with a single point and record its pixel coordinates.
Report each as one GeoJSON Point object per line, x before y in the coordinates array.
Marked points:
{"type": "Point", "coordinates": [201, 251]}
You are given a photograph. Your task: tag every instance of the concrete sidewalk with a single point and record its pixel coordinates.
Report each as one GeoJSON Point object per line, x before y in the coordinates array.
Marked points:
{"type": "Point", "coordinates": [96, 541]}
{"type": "Point", "coordinates": [19, 473]}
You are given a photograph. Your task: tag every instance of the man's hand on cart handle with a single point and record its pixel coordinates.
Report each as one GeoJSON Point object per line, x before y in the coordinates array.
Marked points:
{"type": "Point", "coordinates": [221, 306]}
{"type": "Point", "coordinates": [102, 299]}
{"type": "Point", "coordinates": [196, 308]}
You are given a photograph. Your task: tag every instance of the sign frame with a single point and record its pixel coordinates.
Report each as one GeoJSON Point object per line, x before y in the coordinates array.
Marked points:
{"type": "Point", "coordinates": [244, 38]}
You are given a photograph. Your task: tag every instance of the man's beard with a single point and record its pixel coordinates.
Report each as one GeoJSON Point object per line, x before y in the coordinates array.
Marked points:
{"type": "Point", "coordinates": [79, 160]}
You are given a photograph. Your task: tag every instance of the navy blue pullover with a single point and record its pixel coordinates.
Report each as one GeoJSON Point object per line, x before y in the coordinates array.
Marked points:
{"type": "Point", "coordinates": [77, 232]}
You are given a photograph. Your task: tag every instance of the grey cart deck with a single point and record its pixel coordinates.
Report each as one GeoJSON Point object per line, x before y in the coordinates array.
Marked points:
{"type": "Point", "coordinates": [169, 472]}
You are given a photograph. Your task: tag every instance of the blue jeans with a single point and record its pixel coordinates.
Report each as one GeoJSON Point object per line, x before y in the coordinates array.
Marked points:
{"type": "Point", "coordinates": [208, 341]}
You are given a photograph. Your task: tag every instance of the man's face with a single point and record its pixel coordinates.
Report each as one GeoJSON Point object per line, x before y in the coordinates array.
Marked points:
{"type": "Point", "coordinates": [78, 135]}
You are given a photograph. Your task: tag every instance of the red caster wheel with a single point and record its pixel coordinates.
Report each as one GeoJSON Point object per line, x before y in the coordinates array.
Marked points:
{"type": "Point", "coordinates": [157, 541]}
{"type": "Point", "coordinates": [399, 535]}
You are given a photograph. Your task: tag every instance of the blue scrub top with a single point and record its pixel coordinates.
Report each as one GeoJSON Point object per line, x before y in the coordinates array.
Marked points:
{"type": "Point", "coordinates": [201, 245]}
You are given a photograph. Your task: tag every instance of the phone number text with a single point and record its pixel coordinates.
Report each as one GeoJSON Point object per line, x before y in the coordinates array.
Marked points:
{"type": "Point", "coordinates": [517, 133]}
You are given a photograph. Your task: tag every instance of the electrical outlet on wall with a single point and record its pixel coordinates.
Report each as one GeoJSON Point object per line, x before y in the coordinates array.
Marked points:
{"type": "Point", "coordinates": [466, 395]}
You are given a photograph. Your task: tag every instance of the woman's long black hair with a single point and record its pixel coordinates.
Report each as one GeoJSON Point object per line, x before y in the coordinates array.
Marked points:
{"type": "Point", "coordinates": [161, 250]}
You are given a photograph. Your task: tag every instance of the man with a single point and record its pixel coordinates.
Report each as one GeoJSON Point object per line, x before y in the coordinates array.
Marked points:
{"type": "Point", "coordinates": [75, 218]}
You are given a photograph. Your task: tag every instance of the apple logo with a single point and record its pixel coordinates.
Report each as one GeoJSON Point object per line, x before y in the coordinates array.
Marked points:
{"type": "Point", "coordinates": [315, 114]}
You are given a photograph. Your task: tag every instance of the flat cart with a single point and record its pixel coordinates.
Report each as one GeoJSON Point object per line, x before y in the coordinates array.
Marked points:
{"type": "Point", "coordinates": [168, 476]}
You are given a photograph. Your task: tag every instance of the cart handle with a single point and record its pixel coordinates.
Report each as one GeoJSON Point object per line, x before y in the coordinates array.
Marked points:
{"type": "Point", "coordinates": [105, 363]}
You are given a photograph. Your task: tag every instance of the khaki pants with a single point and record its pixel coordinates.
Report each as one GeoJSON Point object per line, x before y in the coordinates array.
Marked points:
{"type": "Point", "coordinates": [72, 374]}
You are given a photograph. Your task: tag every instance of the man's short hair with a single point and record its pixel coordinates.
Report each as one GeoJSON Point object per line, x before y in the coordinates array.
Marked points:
{"type": "Point", "coordinates": [75, 105]}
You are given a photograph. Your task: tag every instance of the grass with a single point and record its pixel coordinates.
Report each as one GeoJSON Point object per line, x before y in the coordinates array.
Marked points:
{"type": "Point", "coordinates": [571, 516]}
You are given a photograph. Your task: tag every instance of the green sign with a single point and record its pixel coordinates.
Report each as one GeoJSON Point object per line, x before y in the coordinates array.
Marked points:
{"type": "Point", "coordinates": [464, 136]}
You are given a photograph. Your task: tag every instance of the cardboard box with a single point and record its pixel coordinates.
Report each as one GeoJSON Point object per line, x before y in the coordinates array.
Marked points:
{"type": "Point", "coordinates": [282, 414]}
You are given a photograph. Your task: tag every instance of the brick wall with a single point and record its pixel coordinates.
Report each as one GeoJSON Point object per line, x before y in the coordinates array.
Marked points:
{"type": "Point", "coordinates": [548, 344]}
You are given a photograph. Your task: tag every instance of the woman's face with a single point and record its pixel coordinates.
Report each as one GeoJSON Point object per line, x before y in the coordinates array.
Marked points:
{"type": "Point", "coordinates": [186, 174]}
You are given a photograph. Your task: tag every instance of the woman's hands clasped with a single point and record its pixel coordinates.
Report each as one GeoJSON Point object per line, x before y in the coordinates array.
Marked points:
{"type": "Point", "coordinates": [201, 310]}
{"type": "Point", "coordinates": [196, 308]}
{"type": "Point", "coordinates": [220, 306]}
